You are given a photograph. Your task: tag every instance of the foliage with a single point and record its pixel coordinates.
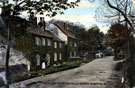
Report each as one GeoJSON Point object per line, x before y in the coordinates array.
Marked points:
{"type": "Point", "coordinates": [77, 30]}
{"type": "Point", "coordinates": [130, 65]}
{"type": "Point", "coordinates": [52, 7]}
{"type": "Point", "coordinates": [89, 41]}
{"type": "Point", "coordinates": [119, 66]}
{"type": "Point", "coordinates": [95, 39]}
{"type": "Point", "coordinates": [117, 36]}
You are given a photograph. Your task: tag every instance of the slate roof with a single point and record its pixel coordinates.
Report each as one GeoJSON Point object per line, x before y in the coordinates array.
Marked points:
{"type": "Point", "coordinates": [37, 31]}
{"type": "Point", "coordinates": [61, 26]}
{"type": "Point", "coordinates": [54, 36]}
{"type": "Point", "coordinates": [33, 28]}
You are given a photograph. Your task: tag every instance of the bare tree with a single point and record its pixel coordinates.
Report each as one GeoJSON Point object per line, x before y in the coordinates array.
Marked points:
{"type": "Point", "coordinates": [123, 11]}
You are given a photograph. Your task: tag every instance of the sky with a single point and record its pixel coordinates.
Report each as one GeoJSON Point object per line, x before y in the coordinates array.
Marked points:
{"type": "Point", "coordinates": [84, 14]}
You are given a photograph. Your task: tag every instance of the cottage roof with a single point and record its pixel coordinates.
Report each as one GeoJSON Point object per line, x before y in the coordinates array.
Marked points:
{"type": "Point", "coordinates": [61, 26]}
{"type": "Point", "coordinates": [46, 33]}
{"type": "Point", "coordinates": [55, 37]}
{"type": "Point", "coordinates": [37, 31]}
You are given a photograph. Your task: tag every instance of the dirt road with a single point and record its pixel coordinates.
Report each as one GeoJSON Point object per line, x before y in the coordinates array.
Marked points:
{"type": "Point", "coordinates": [96, 74]}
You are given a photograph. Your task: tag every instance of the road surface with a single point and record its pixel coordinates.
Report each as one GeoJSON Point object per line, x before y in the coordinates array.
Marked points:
{"type": "Point", "coordinates": [96, 74]}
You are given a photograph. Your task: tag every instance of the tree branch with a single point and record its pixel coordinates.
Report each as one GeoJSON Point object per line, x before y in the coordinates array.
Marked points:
{"type": "Point", "coordinates": [128, 21]}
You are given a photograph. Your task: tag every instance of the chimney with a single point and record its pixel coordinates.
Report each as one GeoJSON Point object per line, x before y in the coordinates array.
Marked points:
{"type": "Point", "coordinates": [42, 24]}
{"type": "Point", "coordinates": [64, 26]}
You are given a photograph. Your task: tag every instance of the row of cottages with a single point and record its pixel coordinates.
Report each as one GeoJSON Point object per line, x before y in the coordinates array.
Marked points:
{"type": "Point", "coordinates": [54, 44]}
{"type": "Point", "coordinates": [50, 43]}
{"type": "Point", "coordinates": [47, 48]}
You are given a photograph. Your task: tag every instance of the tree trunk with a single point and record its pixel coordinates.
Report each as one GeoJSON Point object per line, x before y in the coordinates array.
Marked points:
{"type": "Point", "coordinates": [7, 60]}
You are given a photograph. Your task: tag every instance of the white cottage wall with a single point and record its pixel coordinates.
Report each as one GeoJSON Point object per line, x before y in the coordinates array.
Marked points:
{"type": "Point", "coordinates": [55, 30]}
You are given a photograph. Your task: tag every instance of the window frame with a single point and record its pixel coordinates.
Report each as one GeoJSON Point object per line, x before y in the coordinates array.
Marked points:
{"type": "Point", "coordinates": [38, 62]}
{"type": "Point", "coordinates": [60, 45]}
{"type": "Point", "coordinates": [37, 41]}
{"type": "Point", "coordinates": [55, 44]}
{"type": "Point", "coordinates": [71, 54]}
{"type": "Point", "coordinates": [43, 41]}
{"type": "Point", "coordinates": [70, 43]}
{"type": "Point", "coordinates": [55, 56]}
{"type": "Point", "coordinates": [48, 42]}
{"type": "Point", "coordinates": [60, 56]}
{"type": "Point", "coordinates": [75, 45]}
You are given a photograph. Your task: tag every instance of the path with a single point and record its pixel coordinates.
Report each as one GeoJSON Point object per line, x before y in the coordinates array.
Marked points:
{"type": "Point", "coordinates": [96, 74]}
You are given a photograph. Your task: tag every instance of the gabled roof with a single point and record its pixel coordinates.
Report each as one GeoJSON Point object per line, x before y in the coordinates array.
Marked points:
{"type": "Point", "coordinates": [44, 33]}
{"type": "Point", "coordinates": [36, 30]}
{"type": "Point", "coordinates": [54, 36]}
{"type": "Point", "coordinates": [61, 26]}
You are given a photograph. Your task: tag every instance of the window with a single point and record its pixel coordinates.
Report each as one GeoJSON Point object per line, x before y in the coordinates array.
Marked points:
{"type": "Point", "coordinates": [60, 45]}
{"type": "Point", "coordinates": [70, 43]}
{"type": "Point", "coordinates": [60, 56]}
{"type": "Point", "coordinates": [70, 54]}
{"type": "Point", "coordinates": [48, 59]}
{"type": "Point", "coordinates": [38, 59]}
{"type": "Point", "coordinates": [55, 44]}
{"type": "Point", "coordinates": [49, 42]}
{"type": "Point", "coordinates": [43, 41]}
{"type": "Point", "coordinates": [38, 41]}
{"type": "Point", "coordinates": [74, 53]}
{"type": "Point", "coordinates": [55, 56]}
{"type": "Point", "coordinates": [75, 45]}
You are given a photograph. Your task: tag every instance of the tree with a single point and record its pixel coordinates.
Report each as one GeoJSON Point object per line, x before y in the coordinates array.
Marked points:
{"type": "Point", "coordinates": [18, 6]}
{"type": "Point", "coordinates": [95, 39]}
{"type": "Point", "coordinates": [117, 37]}
{"type": "Point", "coordinates": [128, 22]}
{"type": "Point", "coordinates": [75, 29]}
{"type": "Point", "coordinates": [90, 40]}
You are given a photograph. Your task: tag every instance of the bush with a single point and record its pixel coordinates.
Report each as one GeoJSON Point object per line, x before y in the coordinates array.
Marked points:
{"type": "Point", "coordinates": [119, 66]}
{"type": "Point", "coordinates": [120, 57]}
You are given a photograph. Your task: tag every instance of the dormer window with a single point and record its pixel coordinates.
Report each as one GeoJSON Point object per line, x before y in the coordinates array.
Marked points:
{"type": "Point", "coordinates": [37, 41]}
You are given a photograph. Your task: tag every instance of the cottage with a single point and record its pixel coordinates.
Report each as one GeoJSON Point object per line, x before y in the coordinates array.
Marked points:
{"type": "Point", "coordinates": [42, 46]}
{"type": "Point", "coordinates": [60, 30]}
